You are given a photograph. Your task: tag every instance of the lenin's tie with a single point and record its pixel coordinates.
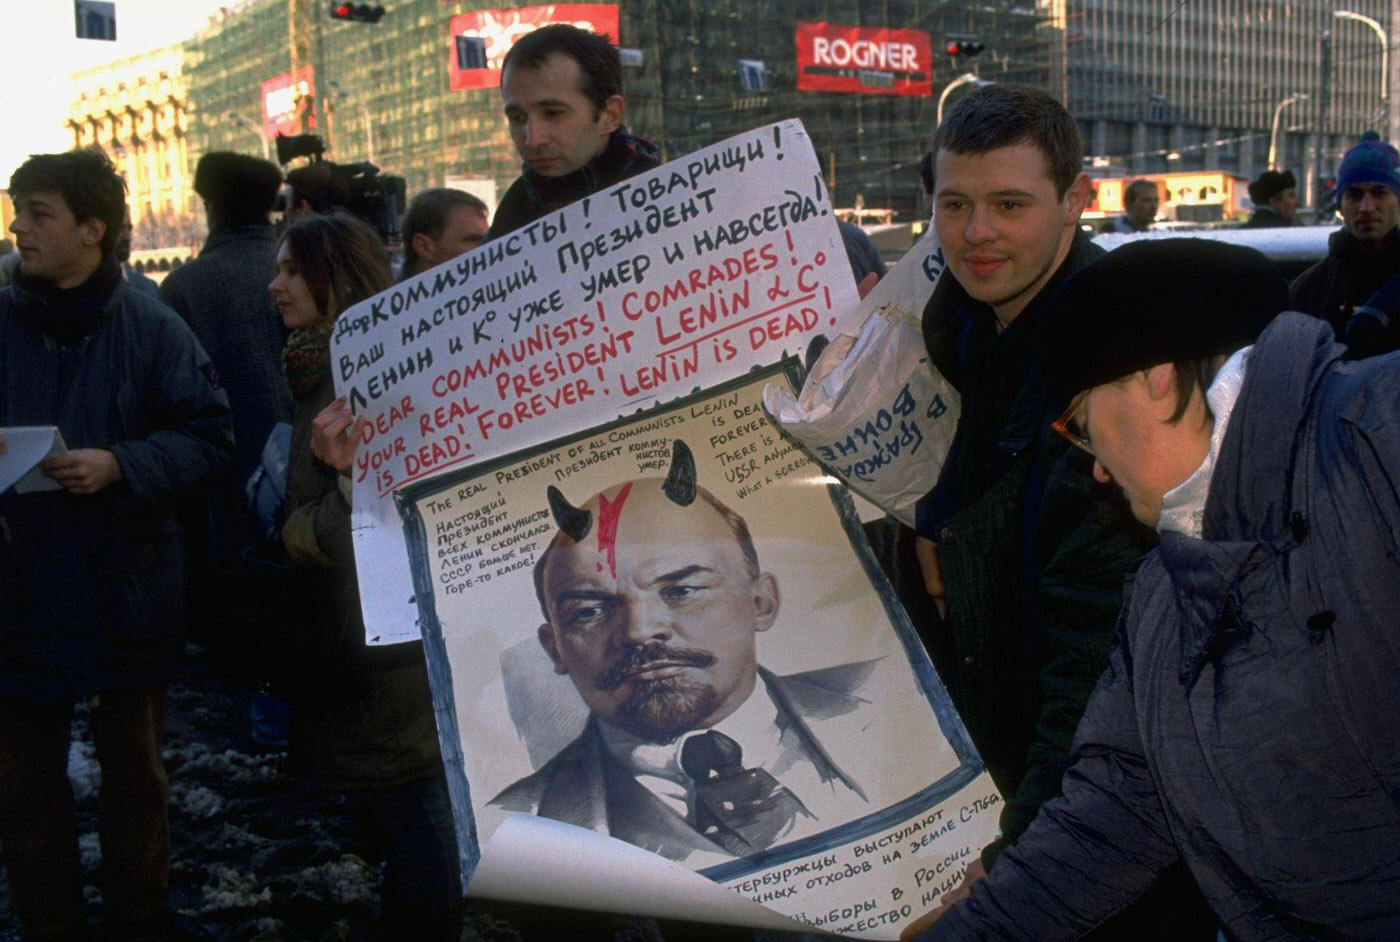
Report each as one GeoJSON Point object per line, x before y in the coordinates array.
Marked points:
{"type": "Point", "coordinates": [742, 810]}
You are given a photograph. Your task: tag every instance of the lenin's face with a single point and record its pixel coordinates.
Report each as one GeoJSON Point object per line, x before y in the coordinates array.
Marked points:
{"type": "Point", "coordinates": [654, 615]}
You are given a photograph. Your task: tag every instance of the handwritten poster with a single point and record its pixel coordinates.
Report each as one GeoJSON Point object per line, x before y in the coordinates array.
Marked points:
{"type": "Point", "coordinates": [672, 281]}
{"type": "Point", "coordinates": [668, 631]}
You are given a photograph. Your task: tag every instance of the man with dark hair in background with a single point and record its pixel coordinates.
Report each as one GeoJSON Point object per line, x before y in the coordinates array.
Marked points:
{"type": "Point", "coordinates": [9, 260]}
{"type": "Point", "coordinates": [315, 189]}
{"type": "Point", "coordinates": [92, 582]}
{"type": "Point", "coordinates": [136, 279]}
{"type": "Point", "coordinates": [1275, 198]}
{"type": "Point", "coordinates": [1140, 201]}
{"type": "Point", "coordinates": [926, 180]}
{"type": "Point", "coordinates": [1022, 552]}
{"type": "Point", "coordinates": [440, 224]}
{"type": "Point", "coordinates": [223, 296]}
{"type": "Point", "coordinates": [562, 88]}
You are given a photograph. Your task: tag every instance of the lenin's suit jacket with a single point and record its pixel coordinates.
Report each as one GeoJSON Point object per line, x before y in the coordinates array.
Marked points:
{"type": "Point", "coordinates": [585, 786]}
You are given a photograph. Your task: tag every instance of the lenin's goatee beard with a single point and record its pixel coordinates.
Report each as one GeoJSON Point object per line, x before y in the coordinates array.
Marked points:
{"type": "Point", "coordinates": [662, 709]}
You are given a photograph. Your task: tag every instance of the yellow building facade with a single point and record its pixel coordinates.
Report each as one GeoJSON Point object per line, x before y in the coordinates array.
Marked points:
{"type": "Point", "coordinates": [136, 110]}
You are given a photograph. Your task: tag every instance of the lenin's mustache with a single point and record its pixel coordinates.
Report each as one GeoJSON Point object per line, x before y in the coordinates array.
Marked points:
{"type": "Point", "coordinates": [643, 656]}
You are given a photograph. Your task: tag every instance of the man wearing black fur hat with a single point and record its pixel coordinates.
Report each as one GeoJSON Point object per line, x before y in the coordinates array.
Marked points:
{"type": "Point", "coordinates": [1246, 724]}
{"type": "Point", "coordinates": [653, 599]}
{"type": "Point", "coordinates": [1275, 197]}
{"type": "Point", "coordinates": [223, 296]}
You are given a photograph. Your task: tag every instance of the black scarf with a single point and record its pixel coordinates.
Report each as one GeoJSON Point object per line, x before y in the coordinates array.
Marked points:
{"type": "Point", "coordinates": [69, 314]}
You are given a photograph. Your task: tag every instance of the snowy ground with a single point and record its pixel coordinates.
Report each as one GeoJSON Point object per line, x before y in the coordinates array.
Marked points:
{"type": "Point", "coordinates": [257, 856]}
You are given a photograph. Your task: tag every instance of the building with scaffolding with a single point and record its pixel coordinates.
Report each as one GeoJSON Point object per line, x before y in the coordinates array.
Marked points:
{"type": "Point", "coordinates": [384, 91]}
{"type": "Point", "coordinates": [1158, 86]}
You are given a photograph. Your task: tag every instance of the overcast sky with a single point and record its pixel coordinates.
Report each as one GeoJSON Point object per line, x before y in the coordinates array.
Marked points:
{"type": "Point", "coordinates": [41, 53]}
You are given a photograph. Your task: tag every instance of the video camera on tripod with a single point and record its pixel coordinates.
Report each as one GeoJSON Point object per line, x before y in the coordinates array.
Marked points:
{"type": "Point", "coordinates": [375, 197]}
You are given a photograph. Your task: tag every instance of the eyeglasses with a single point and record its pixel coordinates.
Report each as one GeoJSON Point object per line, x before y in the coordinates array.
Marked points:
{"type": "Point", "coordinates": [1067, 426]}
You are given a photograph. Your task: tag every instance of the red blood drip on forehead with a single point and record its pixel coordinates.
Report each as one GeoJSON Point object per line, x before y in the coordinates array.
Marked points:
{"type": "Point", "coordinates": [609, 512]}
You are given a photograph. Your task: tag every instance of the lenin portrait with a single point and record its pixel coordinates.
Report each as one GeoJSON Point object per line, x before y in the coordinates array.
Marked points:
{"type": "Point", "coordinates": [653, 597]}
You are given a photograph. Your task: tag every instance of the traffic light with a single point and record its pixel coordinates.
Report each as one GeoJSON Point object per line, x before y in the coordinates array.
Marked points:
{"type": "Point", "coordinates": [95, 20]}
{"type": "Point", "coordinates": [357, 12]}
{"type": "Point", "coordinates": [965, 48]}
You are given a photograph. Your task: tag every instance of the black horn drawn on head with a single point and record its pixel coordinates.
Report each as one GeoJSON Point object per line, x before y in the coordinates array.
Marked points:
{"type": "Point", "coordinates": [575, 522]}
{"type": "Point", "coordinates": [680, 480]}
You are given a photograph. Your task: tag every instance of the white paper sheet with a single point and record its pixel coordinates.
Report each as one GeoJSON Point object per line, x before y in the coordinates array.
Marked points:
{"type": "Point", "coordinates": [26, 446]}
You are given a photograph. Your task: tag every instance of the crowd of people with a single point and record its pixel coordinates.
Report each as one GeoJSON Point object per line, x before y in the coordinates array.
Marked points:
{"type": "Point", "coordinates": [1210, 750]}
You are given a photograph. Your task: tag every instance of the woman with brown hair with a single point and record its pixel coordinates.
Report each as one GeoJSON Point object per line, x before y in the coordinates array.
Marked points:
{"type": "Point", "coordinates": [362, 717]}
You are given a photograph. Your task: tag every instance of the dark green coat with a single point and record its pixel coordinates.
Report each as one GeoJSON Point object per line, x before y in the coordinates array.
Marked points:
{"type": "Point", "coordinates": [1033, 550]}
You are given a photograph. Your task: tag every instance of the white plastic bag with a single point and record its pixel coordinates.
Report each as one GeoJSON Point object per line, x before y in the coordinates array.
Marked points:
{"type": "Point", "coordinates": [872, 409]}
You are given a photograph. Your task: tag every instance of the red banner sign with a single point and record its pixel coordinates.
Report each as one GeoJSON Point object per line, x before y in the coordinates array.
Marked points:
{"type": "Point", "coordinates": [833, 58]}
{"type": "Point", "coordinates": [478, 41]}
{"type": "Point", "coordinates": [289, 103]}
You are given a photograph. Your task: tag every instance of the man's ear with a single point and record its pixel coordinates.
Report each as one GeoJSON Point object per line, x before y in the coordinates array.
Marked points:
{"type": "Point", "coordinates": [766, 601]}
{"type": "Point", "coordinates": [91, 231]}
{"type": "Point", "coordinates": [611, 115]}
{"type": "Point", "coordinates": [1161, 380]}
{"type": "Point", "coordinates": [423, 248]}
{"type": "Point", "coordinates": [1077, 196]}
{"type": "Point", "coordinates": [546, 636]}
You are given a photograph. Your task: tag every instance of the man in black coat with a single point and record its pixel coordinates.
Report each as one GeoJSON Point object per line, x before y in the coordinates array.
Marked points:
{"type": "Point", "coordinates": [92, 563]}
{"type": "Point", "coordinates": [562, 88]}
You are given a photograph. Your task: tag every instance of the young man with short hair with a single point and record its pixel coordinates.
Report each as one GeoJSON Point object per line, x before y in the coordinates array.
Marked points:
{"type": "Point", "coordinates": [440, 224]}
{"type": "Point", "coordinates": [1023, 553]}
{"type": "Point", "coordinates": [562, 88]}
{"type": "Point", "coordinates": [1247, 722]}
{"type": "Point", "coordinates": [92, 571]}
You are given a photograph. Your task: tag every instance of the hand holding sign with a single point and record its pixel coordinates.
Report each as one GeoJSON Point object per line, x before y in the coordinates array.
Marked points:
{"type": "Point", "coordinates": [334, 434]}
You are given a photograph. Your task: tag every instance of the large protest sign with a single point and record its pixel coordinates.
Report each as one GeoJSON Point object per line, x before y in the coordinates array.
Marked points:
{"type": "Point", "coordinates": [669, 282]}
{"type": "Point", "coordinates": [668, 630]}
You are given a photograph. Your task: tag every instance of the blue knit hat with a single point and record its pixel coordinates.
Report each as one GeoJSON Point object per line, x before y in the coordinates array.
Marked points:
{"type": "Point", "coordinates": [1370, 161]}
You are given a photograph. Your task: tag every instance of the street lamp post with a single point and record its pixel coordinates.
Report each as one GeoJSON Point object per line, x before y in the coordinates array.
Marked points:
{"type": "Point", "coordinates": [964, 79]}
{"type": "Point", "coordinates": [364, 116]}
{"type": "Point", "coordinates": [251, 125]}
{"type": "Point", "coordinates": [1385, 55]}
{"type": "Point", "coordinates": [1273, 136]}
